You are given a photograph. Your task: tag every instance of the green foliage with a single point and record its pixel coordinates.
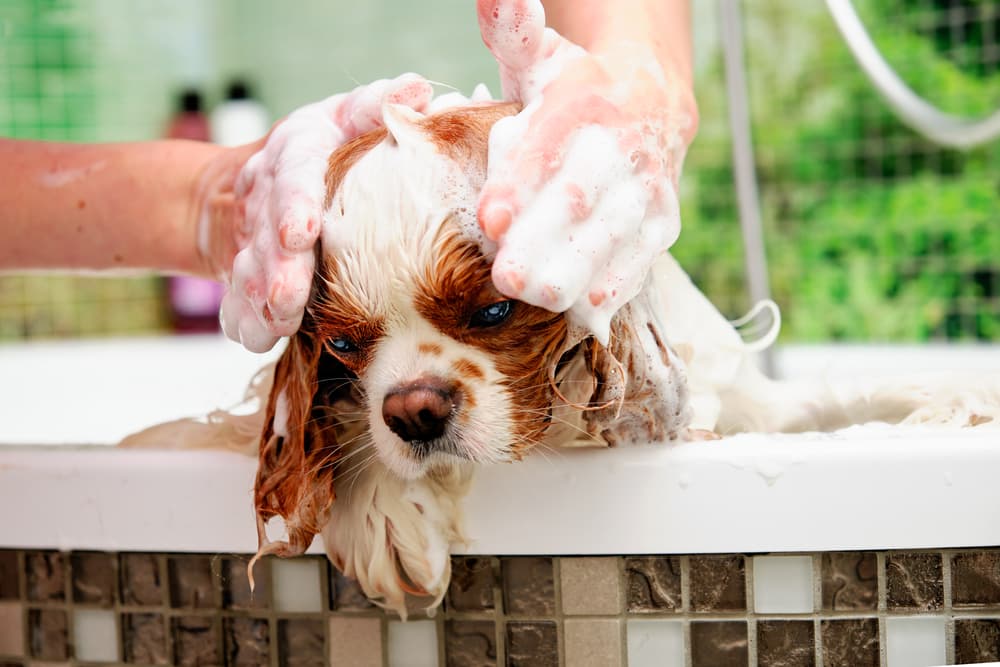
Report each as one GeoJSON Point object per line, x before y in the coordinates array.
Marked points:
{"type": "Point", "coordinates": [872, 232]}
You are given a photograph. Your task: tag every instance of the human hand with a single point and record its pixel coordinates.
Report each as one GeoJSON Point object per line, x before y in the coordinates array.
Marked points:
{"type": "Point", "coordinates": [261, 206]}
{"type": "Point", "coordinates": [581, 189]}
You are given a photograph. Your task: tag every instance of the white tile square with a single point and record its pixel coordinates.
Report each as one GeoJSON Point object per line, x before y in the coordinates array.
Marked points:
{"type": "Point", "coordinates": [655, 642]}
{"type": "Point", "coordinates": [297, 585]}
{"type": "Point", "coordinates": [413, 644]}
{"type": "Point", "coordinates": [915, 641]}
{"type": "Point", "coordinates": [95, 637]}
{"type": "Point", "coordinates": [783, 584]}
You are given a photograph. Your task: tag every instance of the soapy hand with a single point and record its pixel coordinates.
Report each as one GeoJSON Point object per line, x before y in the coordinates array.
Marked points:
{"type": "Point", "coordinates": [581, 189]}
{"type": "Point", "coordinates": [269, 215]}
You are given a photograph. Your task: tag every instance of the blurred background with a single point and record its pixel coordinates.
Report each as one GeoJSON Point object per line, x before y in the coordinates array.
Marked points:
{"type": "Point", "coordinates": [871, 232]}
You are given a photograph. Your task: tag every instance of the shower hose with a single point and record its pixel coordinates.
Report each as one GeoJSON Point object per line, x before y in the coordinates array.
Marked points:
{"type": "Point", "coordinates": [940, 127]}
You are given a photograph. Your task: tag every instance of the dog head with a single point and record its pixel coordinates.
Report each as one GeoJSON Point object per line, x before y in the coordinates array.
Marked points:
{"type": "Point", "coordinates": [407, 351]}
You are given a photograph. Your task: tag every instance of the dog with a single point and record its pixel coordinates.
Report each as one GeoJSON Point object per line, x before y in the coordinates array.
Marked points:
{"type": "Point", "coordinates": [410, 368]}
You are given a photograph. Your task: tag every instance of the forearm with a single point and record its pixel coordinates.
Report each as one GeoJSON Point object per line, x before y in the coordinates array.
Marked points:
{"type": "Point", "coordinates": [665, 25]}
{"type": "Point", "coordinates": [99, 207]}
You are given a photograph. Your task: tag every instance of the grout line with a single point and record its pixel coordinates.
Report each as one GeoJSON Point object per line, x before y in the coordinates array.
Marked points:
{"type": "Point", "coordinates": [817, 591]}
{"type": "Point", "coordinates": [880, 609]}
{"type": "Point", "coordinates": [949, 622]}
{"type": "Point", "coordinates": [558, 612]}
{"type": "Point", "coordinates": [685, 564]}
{"type": "Point", "coordinates": [751, 611]}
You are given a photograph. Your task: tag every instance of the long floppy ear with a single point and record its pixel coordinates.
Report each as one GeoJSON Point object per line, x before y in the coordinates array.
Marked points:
{"type": "Point", "coordinates": [297, 448]}
{"type": "Point", "coordinates": [640, 385]}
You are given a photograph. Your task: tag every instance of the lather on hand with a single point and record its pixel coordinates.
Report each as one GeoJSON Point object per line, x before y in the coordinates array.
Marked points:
{"type": "Point", "coordinates": [581, 190]}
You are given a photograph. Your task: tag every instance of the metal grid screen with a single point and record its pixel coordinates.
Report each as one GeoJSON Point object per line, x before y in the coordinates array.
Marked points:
{"type": "Point", "coordinates": [872, 233]}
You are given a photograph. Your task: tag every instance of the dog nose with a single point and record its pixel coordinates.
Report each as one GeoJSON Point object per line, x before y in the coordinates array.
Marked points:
{"type": "Point", "coordinates": [418, 411]}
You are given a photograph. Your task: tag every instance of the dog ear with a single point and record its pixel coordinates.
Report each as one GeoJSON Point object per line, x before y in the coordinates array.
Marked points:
{"type": "Point", "coordinates": [640, 386]}
{"type": "Point", "coordinates": [298, 449]}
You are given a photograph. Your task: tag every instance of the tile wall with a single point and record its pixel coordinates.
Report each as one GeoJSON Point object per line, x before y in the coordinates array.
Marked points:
{"type": "Point", "coordinates": [854, 609]}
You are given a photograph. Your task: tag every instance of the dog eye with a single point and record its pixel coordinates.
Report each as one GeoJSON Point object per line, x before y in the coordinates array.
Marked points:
{"type": "Point", "coordinates": [493, 314]}
{"type": "Point", "coordinates": [343, 345]}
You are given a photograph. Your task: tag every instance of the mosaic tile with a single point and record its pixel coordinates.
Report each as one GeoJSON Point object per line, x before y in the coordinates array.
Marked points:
{"type": "Point", "coordinates": [532, 644]}
{"type": "Point", "coordinates": [10, 580]}
{"type": "Point", "coordinates": [296, 584]}
{"type": "Point", "coordinates": [528, 586]}
{"type": "Point", "coordinates": [46, 576]}
{"type": "Point", "coordinates": [471, 587]}
{"type": "Point", "coordinates": [915, 640]}
{"type": "Point", "coordinates": [977, 640]}
{"type": "Point", "coordinates": [786, 643]}
{"type": "Point", "coordinates": [196, 641]}
{"type": "Point", "coordinates": [144, 639]}
{"type": "Point", "coordinates": [654, 583]}
{"type": "Point", "coordinates": [236, 584]}
{"type": "Point", "coordinates": [95, 635]}
{"type": "Point", "coordinates": [190, 580]}
{"type": "Point", "coordinates": [246, 641]}
{"type": "Point", "coordinates": [346, 593]}
{"type": "Point", "coordinates": [975, 579]}
{"type": "Point", "coordinates": [850, 581]}
{"type": "Point", "coordinates": [850, 642]}
{"type": "Point", "coordinates": [783, 584]}
{"type": "Point", "coordinates": [140, 580]}
{"type": "Point", "coordinates": [719, 644]}
{"type": "Point", "coordinates": [48, 634]}
{"type": "Point", "coordinates": [355, 641]}
{"type": "Point", "coordinates": [590, 586]}
{"type": "Point", "coordinates": [11, 629]}
{"type": "Point", "coordinates": [718, 583]}
{"type": "Point", "coordinates": [654, 642]}
{"type": "Point", "coordinates": [914, 581]}
{"type": "Point", "coordinates": [470, 644]}
{"type": "Point", "coordinates": [94, 576]}
{"type": "Point", "coordinates": [593, 642]}
{"type": "Point", "coordinates": [301, 642]}
{"type": "Point", "coordinates": [412, 643]}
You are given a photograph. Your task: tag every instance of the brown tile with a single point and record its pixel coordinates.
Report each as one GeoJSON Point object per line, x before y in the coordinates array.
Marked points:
{"type": "Point", "coordinates": [977, 640]}
{"type": "Point", "coordinates": [196, 641]}
{"type": "Point", "coordinates": [470, 644]}
{"type": "Point", "coordinates": [532, 644]}
{"type": "Point", "coordinates": [850, 642]}
{"type": "Point", "coordinates": [654, 583]}
{"type": "Point", "coordinates": [346, 593]}
{"type": "Point", "coordinates": [236, 584]}
{"type": "Point", "coordinates": [914, 581]}
{"type": "Point", "coordinates": [471, 586]}
{"type": "Point", "coordinates": [144, 639]}
{"type": "Point", "coordinates": [46, 576]}
{"type": "Point", "coordinates": [355, 641]}
{"type": "Point", "coordinates": [786, 643]}
{"type": "Point", "coordinates": [10, 580]}
{"type": "Point", "coordinates": [246, 641]}
{"type": "Point", "coordinates": [11, 629]}
{"type": "Point", "coordinates": [718, 583]}
{"type": "Point", "coordinates": [47, 634]}
{"type": "Point", "coordinates": [528, 586]}
{"type": "Point", "coordinates": [140, 580]}
{"type": "Point", "coordinates": [719, 644]}
{"type": "Point", "coordinates": [593, 642]}
{"type": "Point", "coordinates": [94, 576]}
{"type": "Point", "coordinates": [975, 579]}
{"type": "Point", "coordinates": [301, 642]}
{"type": "Point", "coordinates": [850, 581]}
{"type": "Point", "coordinates": [190, 580]}
{"type": "Point", "coordinates": [590, 585]}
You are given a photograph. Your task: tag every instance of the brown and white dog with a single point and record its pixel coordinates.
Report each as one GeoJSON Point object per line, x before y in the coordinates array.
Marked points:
{"type": "Point", "coordinates": [409, 367]}
{"type": "Point", "coordinates": [409, 364]}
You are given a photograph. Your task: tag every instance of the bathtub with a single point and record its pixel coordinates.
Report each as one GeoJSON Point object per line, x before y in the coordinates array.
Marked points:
{"type": "Point", "coordinates": [875, 543]}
